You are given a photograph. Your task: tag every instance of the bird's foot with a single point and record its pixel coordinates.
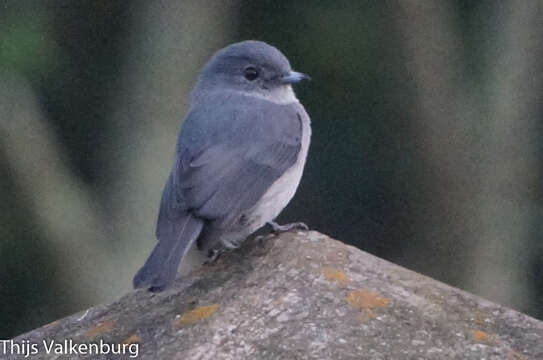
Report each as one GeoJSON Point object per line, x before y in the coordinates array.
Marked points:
{"type": "Point", "coordinates": [225, 246]}
{"type": "Point", "coordinates": [214, 254]}
{"type": "Point", "coordinates": [276, 228]}
{"type": "Point", "coordinates": [230, 244]}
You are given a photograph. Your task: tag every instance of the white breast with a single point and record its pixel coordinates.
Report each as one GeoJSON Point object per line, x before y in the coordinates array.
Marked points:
{"type": "Point", "coordinates": [283, 189]}
{"type": "Point", "coordinates": [280, 95]}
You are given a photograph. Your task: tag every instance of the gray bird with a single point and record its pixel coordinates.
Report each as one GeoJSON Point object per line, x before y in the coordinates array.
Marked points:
{"type": "Point", "coordinates": [239, 158]}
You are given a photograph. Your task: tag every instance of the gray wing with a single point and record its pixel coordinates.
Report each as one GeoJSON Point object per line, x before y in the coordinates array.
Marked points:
{"type": "Point", "coordinates": [229, 155]}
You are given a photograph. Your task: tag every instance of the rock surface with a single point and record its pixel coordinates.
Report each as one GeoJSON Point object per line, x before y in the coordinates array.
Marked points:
{"type": "Point", "coordinates": [300, 295]}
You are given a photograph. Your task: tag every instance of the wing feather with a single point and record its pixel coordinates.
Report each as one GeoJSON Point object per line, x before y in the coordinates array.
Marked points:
{"type": "Point", "coordinates": [227, 159]}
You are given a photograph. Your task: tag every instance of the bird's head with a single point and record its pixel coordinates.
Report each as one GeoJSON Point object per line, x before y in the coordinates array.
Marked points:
{"type": "Point", "coordinates": [251, 67]}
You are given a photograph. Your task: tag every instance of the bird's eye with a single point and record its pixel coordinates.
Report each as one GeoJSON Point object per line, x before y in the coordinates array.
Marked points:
{"type": "Point", "coordinates": [250, 73]}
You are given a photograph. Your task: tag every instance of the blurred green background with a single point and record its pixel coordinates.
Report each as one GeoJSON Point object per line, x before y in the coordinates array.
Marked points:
{"type": "Point", "coordinates": [426, 124]}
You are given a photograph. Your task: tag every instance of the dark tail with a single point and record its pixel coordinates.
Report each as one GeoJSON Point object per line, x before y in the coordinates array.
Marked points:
{"type": "Point", "coordinates": [160, 269]}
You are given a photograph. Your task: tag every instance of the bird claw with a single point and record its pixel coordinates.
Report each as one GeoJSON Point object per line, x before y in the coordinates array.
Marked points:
{"type": "Point", "coordinates": [276, 228]}
{"type": "Point", "coordinates": [230, 244]}
{"type": "Point", "coordinates": [213, 255]}
{"type": "Point", "coordinates": [224, 247]}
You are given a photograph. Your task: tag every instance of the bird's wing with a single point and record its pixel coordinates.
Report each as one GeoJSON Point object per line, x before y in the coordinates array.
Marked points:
{"type": "Point", "coordinates": [229, 155]}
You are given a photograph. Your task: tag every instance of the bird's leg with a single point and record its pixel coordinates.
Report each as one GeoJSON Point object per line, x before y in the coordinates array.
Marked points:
{"type": "Point", "coordinates": [276, 228]}
{"type": "Point", "coordinates": [225, 246]}
{"type": "Point", "coordinates": [231, 244]}
{"type": "Point", "coordinates": [214, 254]}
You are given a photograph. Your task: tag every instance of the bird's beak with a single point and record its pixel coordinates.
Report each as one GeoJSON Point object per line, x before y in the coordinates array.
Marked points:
{"type": "Point", "coordinates": [294, 77]}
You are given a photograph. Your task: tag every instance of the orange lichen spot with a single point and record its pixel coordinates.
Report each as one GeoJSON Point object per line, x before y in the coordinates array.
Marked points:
{"type": "Point", "coordinates": [333, 274]}
{"type": "Point", "coordinates": [200, 313]}
{"type": "Point", "coordinates": [52, 323]}
{"type": "Point", "coordinates": [103, 328]}
{"type": "Point", "coordinates": [480, 336]}
{"type": "Point", "coordinates": [365, 299]}
{"type": "Point", "coordinates": [132, 339]}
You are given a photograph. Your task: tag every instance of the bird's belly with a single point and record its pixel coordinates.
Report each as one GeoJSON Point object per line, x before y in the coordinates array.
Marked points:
{"type": "Point", "coordinates": [276, 198]}
{"type": "Point", "coordinates": [270, 204]}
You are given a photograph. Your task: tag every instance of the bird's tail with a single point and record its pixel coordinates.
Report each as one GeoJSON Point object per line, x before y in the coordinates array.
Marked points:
{"type": "Point", "coordinates": [160, 269]}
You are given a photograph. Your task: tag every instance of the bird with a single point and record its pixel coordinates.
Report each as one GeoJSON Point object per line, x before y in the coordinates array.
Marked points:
{"type": "Point", "coordinates": [239, 158]}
